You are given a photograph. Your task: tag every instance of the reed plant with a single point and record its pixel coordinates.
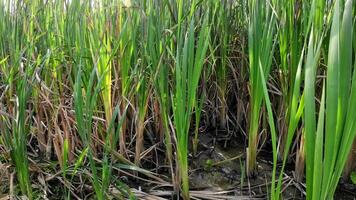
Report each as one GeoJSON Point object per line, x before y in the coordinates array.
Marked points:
{"type": "Point", "coordinates": [127, 23]}
{"type": "Point", "coordinates": [143, 91]}
{"type": "Point", "coordinates": [17, 77]}
{"type": "Point", "coordinates": [290, 39]}
{"type": "Point", "coordinates": [156, 53]}
{"type": "Point", "coordinates": [101, 52]}
{"type": "Point", "coordinates": [17, 134]}
{"type": "Point", "coordinates": [222, 17]}
{"type": "Point", "coordinates": [329, 141]}
{"type": "Point", "coordinates": [188, 68]}
{"type": "Point", "coordinates": [85, 104]}
{"type": "Point", "coordinates": [84, 109]}
{"type": "Point", "coordinates": [261, 36]}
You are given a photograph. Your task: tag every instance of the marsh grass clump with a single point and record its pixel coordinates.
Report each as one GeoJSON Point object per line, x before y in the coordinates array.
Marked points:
{"type": "Point", "coordinates": [125, 99]}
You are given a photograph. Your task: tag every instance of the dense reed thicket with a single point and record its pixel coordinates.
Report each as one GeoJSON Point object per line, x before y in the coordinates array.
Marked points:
{"type": "Point", "coordinates": [108, 99]}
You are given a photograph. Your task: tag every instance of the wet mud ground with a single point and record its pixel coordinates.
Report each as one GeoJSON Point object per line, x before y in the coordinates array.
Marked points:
{"type": "Point", "coordinates": [219, 166]}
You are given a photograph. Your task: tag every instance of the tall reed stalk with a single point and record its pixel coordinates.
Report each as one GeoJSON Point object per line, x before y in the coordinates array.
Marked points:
{"type": "Point", "coordinates": [260, 44]}
{"type": "Point", "coordinates": [290, 40]}
{"type": "Point", "coordinates": [85, 104]}
{"type": "Point", "coordinates": [155, 49]}
{"type": "Point", "coordinates": [188, 68]}
{"type": "Point", "coordinates": [127, 23]}
{"type": "Point", "coordinates": [143, 90]}
{"type": "Point", "coordinates": [223, 15]}
{"type": "Point", "coordinates": [101, 52]}
{"type": "Point", "coordinates": [17, 140]}
{"type": "Point", "coordinates": [329, 142]}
